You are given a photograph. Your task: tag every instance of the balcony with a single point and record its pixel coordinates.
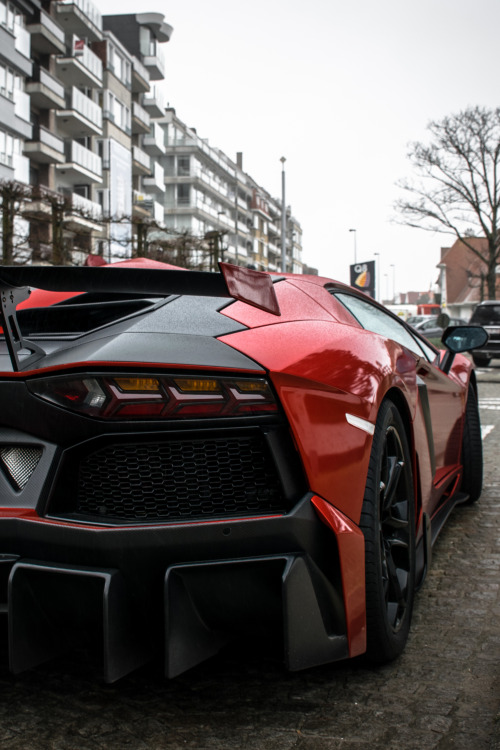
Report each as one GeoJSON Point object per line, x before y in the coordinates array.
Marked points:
{"type": "Point", "coordinates": [81, 116]}
{"type": "Point", "coordinates": [80, 165]}
{"type": "Point", "coordinates": [145, 206]}
{"type": "Point", "coordinates": [154, 103]}
{"type": "Point", "coordinates": [45, 91]}
{"type": "Point", "coordinates": [141, 162]}
{"type": "Point", "coordinates": [22, 41]}
{"type": "Point", "coordinates": [155, 183]}
{"type": "Point", "coordinates": [22, 105]}
{"type": "Point", "coordinates": [153, 142]}
{"type": "Point", "coordinates": [21, 166]}
{"type": "Point", "coordinates": [80, 17]}
{"type": "Point", "coordinates": [155, 63]}
{"type": "Point", "coordinates": [140, 77]}
{"type": "Point", "coordinates": [47, 37]}
{"type": "Point", "coordinates": [44, 147]}
{"type": "Point", "coordinates": [141, 122]}
{"type": "Point", "coordinates": [83, 68]}
{"type": "Point", "coordinates": [83, 215]}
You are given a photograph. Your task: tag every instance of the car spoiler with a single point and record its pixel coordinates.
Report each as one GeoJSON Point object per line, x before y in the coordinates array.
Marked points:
{"type": "Point", "coordinates": [235, 282]}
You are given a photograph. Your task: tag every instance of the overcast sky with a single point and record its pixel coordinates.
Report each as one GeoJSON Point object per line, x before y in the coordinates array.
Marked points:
{"type": "Point", "coordinates": [339, 89]}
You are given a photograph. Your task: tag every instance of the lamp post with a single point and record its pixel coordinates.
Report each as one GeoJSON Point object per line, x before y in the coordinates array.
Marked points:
{"type": "Point", "coordinates": [393, 283]}
{"type": "Point", "coordinates": [283, 217]}
{"type": "Point", "coordinates": [355, 248]}
{"type": "Point", "coordinates": [377, 275]}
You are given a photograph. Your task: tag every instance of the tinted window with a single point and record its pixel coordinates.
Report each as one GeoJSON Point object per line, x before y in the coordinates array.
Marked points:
{"type": "Point", "coordinates": [374, 319]}
{"type": "Point", "coordinates": [486, 315]}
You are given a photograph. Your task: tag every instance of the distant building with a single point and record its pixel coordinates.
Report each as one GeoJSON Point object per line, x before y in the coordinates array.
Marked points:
{"type": "Point", "coordinates": [206, 192]}
{"type": "Point", "coordinates": [462, 277]}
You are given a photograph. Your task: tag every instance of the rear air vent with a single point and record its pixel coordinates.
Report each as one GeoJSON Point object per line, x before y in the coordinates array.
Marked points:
{"type": "Point", "coordinates": [76, 317]}
{"type": "Point", "coordinates": [18, 463]}
{"type": "Point", "coordinates": [186, 478]}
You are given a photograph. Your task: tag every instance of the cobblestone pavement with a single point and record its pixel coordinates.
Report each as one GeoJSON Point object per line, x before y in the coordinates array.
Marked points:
{"type": "Point", "coordinates": [442, 693]}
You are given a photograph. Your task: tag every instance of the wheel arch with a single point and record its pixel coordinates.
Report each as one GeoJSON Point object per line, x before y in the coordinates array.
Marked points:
{"type": "Point", "coordinates": [398, 399]}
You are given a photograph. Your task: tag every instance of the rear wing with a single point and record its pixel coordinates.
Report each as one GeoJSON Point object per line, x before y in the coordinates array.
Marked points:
{"type": "Point", "coordinates": [234, 282]}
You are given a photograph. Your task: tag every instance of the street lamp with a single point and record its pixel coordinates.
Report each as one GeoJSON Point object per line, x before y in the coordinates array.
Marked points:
{"type": "Point", "coordinates": [283, 217]}
{"type": "Point", "coordinates": [355, 248]}
{"type": "Point", "coordinates": [393, 283]}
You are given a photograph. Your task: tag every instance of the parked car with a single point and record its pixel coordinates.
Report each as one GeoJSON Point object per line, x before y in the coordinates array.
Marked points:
{"type": "Point", "coordinates": [487, 314]}
{"type": "Point", "coordinates": [191, 458]}
{"type": "Point", "coordinates": [433, 328]}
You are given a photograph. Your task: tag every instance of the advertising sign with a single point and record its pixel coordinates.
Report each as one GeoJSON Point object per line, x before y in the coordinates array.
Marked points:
{"type": "Point", "coordinates": [362, 276]}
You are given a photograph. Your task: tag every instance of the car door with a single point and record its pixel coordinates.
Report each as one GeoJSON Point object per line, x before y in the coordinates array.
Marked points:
{"type": "Point", "coordinates": [441, 397]}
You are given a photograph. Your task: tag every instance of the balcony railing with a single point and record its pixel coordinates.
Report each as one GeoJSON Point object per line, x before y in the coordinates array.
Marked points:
{"type": "Point", "coordinates": [87, 8]}
{"type": "Point", "coordinates": [21, 166]}
{"type": "Point", "coordinates": [88, 208]}
{"type": "Point", "coordinates": [40, 75]}
{"type": "Point", "coordinates": [22, 105]}
{"type": "Point", "coordinates": [44, 136]}
{"type": "Point", "coordinates": [85, 106]}
{"type": "Point", "coordinates": [83, 157]}
{"type": "Point", "coordinates": [87, 58]}
{"type": "Point", "coordinates": [139, 113]}
{"type": "Point", "coordinates": [141, 157]}
{"type": "Point", "coordinates": [22, 40]}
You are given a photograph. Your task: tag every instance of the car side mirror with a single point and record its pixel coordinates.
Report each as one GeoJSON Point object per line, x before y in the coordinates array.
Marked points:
{"type": "Point", "coordinates": [458, 339]}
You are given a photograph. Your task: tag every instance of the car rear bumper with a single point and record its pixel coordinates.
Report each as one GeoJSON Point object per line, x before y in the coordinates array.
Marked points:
{"type": "Point", "coordinates": [183, 589]}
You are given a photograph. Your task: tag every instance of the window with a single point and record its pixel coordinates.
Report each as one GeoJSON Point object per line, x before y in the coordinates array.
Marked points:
{"type": "Point", "coordinates": [183, 166]}
{"type": "Point", "coordinates": [183, 193]}
{"type": "Point", "coordinates": [374, 319]}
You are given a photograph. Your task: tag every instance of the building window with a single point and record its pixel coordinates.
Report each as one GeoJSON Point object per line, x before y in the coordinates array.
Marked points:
{"type": "Point", "coordinates": [183, 166]}
{"type": "Point", "coordinates": [183, 193]}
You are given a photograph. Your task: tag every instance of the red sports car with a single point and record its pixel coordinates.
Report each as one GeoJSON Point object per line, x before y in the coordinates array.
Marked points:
{"type": "Point", "coordinates": [189, 458]}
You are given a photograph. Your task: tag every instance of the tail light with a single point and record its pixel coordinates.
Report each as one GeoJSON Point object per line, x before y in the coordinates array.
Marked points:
{"type": "Point", "coordinates": [157, 397]}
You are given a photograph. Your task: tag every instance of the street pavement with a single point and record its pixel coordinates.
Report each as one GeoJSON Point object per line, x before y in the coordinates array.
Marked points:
{"type": "Point", "coordinates": [442, 693]}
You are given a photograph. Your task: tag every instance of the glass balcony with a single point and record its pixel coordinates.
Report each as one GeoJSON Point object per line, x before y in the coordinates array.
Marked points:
{"type": "Point", "coordinates": [82, 68]}
{"type": "Point", "coordinates": [45, 91]}
{"type": "Point", "coordinates": [155, 183]}
{"type": "Point", "coordinates": [140, 77]}
{"type": "Point", "coordinates": [22, 105]}
{"type": "Point", "coordinates": [47, 37]}
{"type": "Point", "coordinates": [81, 165]}
{"type": "Point", "coordinates": [155, 63]}
{"type": "Point", "coordinates": [44, 147]}
{"type": "Point", "coordinates": [22, 40]}
{"type": "Point", "coordinates": [154, 102]}
{"type": "Point", "coordinates": [153, 142]}
{"type": "Point", "coordinates": [141, 122]}
{"type": "Point", "coordinates": [80, 17]}
{"type": "Point", "coordinates": [141, 161]}
{"type": "Point", "coordinates": [81, 115]}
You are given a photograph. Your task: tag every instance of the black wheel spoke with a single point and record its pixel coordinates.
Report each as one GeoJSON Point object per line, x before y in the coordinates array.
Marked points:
{"type": "Point", "coordinates": [394, 470]}
{"type": "Point", "coordinates": [388, 524]}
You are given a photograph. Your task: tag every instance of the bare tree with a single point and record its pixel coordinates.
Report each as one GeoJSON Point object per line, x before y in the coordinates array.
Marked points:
{"type": "Point", "coordinates": [14, 233]}
{"type": "Point", "coordinates": [458, 184]}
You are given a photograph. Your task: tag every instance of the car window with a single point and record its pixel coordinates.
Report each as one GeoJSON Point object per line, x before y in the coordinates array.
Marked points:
{"type": "Point", "coordinates": [374, 319]}
{"type": "Point", "coordinates": [486, 315]}
{"type": "Point", "coordinates": [428, 325]}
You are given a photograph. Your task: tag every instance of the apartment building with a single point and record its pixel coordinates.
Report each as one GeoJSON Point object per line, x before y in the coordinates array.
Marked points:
{"type": "Point", "coordinates": [76, 127]}
{"type": "Point", "coordinates": [85, 125]}
{"type": "Point", "coordinates": [208, 194]}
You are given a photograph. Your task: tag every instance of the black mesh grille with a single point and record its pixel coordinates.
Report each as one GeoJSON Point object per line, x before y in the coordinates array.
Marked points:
{"type": "Point", "coordinates": [180, 479]}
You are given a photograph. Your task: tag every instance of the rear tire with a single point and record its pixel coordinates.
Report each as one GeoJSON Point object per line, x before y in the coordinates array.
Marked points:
{"type": "Point", "coordinates": [472, 449]}
{"type": "Point", "coordinates": [388, 524]}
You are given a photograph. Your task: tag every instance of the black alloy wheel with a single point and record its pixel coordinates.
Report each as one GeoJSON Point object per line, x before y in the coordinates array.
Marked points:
{"type": "Point", "coordinates": [388, 524]}
{"type": "Point", "coordinates": [472, 449]}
